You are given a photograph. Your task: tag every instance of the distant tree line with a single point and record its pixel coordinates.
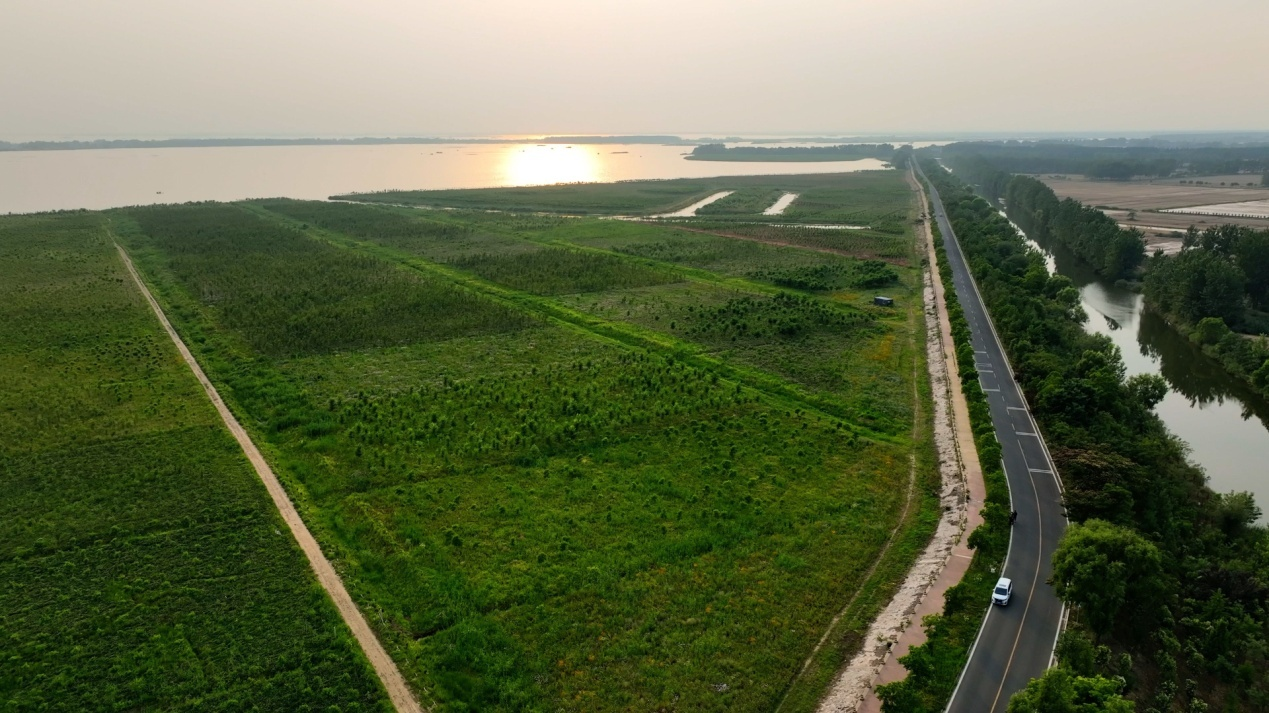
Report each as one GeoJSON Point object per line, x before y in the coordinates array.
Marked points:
{"type": "Point", "coordinates": [843, 152]}
{"type": "Point", "coordinates": [1119, 163]}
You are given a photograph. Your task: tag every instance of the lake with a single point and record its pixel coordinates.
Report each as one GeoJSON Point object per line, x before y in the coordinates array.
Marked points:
{"type": "Point", "coordinates": [32, 181]}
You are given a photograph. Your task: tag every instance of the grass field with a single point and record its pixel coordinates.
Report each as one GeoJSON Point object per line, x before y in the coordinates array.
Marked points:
{"type": "Point", "coordinates": [560, 463]}
{"type": "Point", "coordinates": [592, 510]}
{"type": "Point", "coordinates": [864, 197]}
{"type": "Point", "coordinates": [142, 566]}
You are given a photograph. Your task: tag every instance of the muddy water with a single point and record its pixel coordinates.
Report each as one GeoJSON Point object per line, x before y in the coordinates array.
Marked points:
{"type": "Point", "coordinates": [1225, 423]}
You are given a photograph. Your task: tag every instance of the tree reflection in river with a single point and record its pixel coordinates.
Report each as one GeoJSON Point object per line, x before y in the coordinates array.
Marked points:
{"type": "Point", "coordinates": [1194, 374]}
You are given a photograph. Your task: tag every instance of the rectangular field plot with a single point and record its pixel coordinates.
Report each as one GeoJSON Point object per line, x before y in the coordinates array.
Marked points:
{"type": "Point", "coordinates": [1244, 209]}
{"type": "Point", "coordinates": [603, 512]}
{"type": "Point", "coordinates": [848, 356]}
{"type": "Point", "coordinates": [287, 294]}
{"type": "Point", "coordinates": [581, 514]}
{"type": "Point", "coordinates": [435, 235]}
{"type": "Point", "coordinates": [142, 565]}
{"type": "Point", "coordinates": [894, 246]}
{"type": "Point", "coordinates": [862, 198]}
{"type": "Point", "coordinates": [750, 201]}
{"type": "Point", "coordinates": [555, 271]}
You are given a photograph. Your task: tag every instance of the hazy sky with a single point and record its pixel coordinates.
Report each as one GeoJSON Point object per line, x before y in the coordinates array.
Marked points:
{"type": "Point", "coordinates": [167, 68]}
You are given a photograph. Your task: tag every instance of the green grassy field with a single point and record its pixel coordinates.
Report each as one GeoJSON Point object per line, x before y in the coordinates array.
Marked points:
{"type": "Point", "coordinates": [561, 463]}
{"type": "Point", "coordinates": [864, 198]}
{"type": "Point", "coordinates": [142, 565]}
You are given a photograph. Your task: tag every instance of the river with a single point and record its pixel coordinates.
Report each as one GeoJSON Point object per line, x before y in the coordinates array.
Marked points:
{"type": "Point", "coordinates": [32, 181]}
{"type": "Point", "coordinates": [1225, 423]}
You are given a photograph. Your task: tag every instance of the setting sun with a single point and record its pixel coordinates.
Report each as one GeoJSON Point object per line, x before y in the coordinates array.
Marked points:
{"type": "Point", "coordinates": [539, 165]}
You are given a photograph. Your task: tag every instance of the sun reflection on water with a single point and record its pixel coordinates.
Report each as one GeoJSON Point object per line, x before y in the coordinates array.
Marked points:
{"type": "Point", "coordinates": [538, 165]}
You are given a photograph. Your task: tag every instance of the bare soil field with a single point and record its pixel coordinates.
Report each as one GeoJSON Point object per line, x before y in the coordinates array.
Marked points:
{"type": "Point", "coordinates": [1143, 195]}
{"type": "Point", "coordinates": [1248, 180]}
{"type": "Point", "coordinates": [1149, 198]}
{"type": "Point", "coordinates": [1242, 209]}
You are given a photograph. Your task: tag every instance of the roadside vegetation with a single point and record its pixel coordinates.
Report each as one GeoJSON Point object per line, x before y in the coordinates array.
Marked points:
{"type": "Point", "coordinates": [575, 473]}
{"type": "Point", "coordinates": [935, 666]}
{"type": "Point", "coordinates": [142, 565]}
{"type": "Point", "coordinates": [1184, 622]}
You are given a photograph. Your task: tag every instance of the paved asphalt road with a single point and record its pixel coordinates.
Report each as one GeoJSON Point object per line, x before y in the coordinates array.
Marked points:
{"type": "Point", "coordinates": [1016, 642]}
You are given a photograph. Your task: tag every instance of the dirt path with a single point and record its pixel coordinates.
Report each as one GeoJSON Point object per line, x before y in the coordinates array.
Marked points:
{"type": "Point", "coordinates": [330, 581]}
{"type": "Point", "coordinates": [944, 562]}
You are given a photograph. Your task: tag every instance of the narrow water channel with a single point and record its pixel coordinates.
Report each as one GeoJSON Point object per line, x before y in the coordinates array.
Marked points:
{"type": "Point", "coordinates": [1225, 423]}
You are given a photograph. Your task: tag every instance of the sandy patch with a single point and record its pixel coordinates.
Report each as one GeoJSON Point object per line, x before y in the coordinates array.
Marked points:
{"type": "Point", "coordinates": [690, 211]}
{"type": "Point", "coordinates": [783, 202]}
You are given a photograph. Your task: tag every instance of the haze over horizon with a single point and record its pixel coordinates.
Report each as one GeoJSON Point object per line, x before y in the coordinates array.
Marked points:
{"type": "Point", "coordinates": [284, 68]}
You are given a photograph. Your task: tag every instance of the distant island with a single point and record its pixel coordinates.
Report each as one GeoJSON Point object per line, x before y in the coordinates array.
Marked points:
{"type": "Point", "coordinates": [364, 141]}
{"type": "Point", "coordinates": [842, 152]}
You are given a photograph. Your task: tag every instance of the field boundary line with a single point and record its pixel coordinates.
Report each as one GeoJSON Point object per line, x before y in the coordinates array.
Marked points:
{"type": "Point", "coordinates": [616, 332]}
{"type": "Point", "coordinates": [385, 668]}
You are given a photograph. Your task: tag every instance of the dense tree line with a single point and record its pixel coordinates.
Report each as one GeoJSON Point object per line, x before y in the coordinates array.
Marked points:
{"type": "Point", "coordinates": [1092, 235]}
{"type": "Point", "coordinates": [1156, 566]}
{"type": "Point", "coordinates": [1216, 286]}
{"type": "Point", "coordinates": [1089, 233]}
{"type": "Point", "coordinates": [1114, 162]}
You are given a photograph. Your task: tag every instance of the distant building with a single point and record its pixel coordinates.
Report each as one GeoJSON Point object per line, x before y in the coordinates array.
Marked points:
{"type": "Point", "coordinates": [883, 301]}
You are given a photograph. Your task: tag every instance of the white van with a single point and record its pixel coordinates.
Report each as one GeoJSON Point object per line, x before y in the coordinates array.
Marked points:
{"type": "Point", "coordinates": [1003, 592]}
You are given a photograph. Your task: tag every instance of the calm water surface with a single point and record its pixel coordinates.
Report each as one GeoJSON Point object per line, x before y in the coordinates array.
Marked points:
{"type": "Point", "coordinates": [1225, 423]}
{"type": "Point", "coordinates": [33, 181]}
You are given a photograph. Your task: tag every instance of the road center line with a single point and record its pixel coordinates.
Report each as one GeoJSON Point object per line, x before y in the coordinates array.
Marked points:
{"type": "Point", "coordinates": [1039, 559]}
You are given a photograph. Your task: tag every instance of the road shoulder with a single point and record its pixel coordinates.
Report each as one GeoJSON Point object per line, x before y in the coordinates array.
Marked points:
{"type": "Point", "coordinates": [945, 560]}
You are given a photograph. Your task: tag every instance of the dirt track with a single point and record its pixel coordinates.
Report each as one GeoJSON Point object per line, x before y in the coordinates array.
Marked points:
{"type": "Point", "coordinates": [383, 665]}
